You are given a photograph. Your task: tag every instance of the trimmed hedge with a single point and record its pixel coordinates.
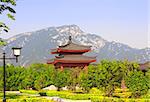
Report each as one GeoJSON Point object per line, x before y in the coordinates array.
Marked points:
{"type": "Point", "coordinates": [109, 99]}
{"type": "Point", "coordinates": [42, 93]}
{"type": "Point", "coordinates": [92, 97]}
{"type": "Point", "coordinates": [68, 95]}
{"type": "Point", "coordinates": [29, 100]}
{"type": "Point", "coordinates": [122, 93]}
{"type": "Point", "coordinates": [29, 91]}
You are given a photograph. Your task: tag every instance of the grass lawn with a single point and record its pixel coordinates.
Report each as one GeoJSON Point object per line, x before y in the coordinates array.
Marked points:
{"type": "Point", "coordinates": [33, 96]}
{"type": "Point", "coordinates": [13, 97]}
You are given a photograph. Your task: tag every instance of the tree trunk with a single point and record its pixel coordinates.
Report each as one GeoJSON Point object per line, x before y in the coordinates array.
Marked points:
{"type": "Point", "coordinates": [123, 85]}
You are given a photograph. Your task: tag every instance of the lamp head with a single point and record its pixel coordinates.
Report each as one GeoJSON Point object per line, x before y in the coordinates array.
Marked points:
{"type": "Point", "coordinates": [16, 51]}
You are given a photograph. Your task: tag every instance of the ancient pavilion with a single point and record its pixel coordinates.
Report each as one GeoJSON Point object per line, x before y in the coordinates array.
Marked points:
{"type": "Point", "coordinates": [71, 55]}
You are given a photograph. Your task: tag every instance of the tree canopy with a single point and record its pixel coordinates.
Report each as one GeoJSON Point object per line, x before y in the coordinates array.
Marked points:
{"type": "Point", "coordinates": [106, 77]}
{"type": "Point", "coordinates": [7, 5]}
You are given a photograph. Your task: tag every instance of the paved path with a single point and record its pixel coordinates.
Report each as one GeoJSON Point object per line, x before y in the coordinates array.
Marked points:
{"type": "Point", "coordinates": [15, 92]}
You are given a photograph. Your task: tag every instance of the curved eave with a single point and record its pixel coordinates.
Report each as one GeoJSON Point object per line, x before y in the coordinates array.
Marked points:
{"type": "Point", "coordinates": [69, 51]}
{"type": "Point", "coordinates": [68, 61]}
{"type": "Point", "coordinates": [50, 62]}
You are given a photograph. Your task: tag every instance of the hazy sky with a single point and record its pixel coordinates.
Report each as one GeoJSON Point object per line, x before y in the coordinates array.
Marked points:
{"type": "Point", "coordinates": [124, 21]}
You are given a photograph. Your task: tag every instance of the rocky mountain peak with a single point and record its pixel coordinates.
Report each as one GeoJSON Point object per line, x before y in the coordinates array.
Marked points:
{"type": "Point", "coordinates": [37, 44]}
{"type": "Point", "coordinates": [72, 30]}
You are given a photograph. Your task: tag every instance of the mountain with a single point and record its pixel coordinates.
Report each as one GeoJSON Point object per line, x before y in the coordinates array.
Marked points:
{"type": "Point", "coordinates": [36, 45]}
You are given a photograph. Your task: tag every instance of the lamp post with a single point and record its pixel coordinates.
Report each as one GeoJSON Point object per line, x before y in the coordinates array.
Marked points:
{"type": "Point", "coordinates": [16, 53]}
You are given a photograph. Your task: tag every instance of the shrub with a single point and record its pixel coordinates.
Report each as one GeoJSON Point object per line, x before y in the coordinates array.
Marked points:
{"type": "Point", "coordinates": [96, 91]}
{"type": "Point", "coordinates": [58, 93]}
{"type": "Point", "coordinates": [147, 95]}
{"type": "Point", "coordinates": [69, 95]}
{"type": "Point", "coordinates": [61, 79]}
{"type": "Point", "coordinates": [111, 99]}
{"type": "Point", "coordinates": [78, 90]}
{"type": "Point", "coordinates": [29, 100]}
{"type": "Point", "coordinates": [42, 93]}
{"type": "Point", "coordinates": [122, 93]}
{"type": "Point", "coordinates": [35, 76]}
{"type": "Point", "coordinates": [29, 91]}
{"type": "Point", "coordinates": [137, 83]}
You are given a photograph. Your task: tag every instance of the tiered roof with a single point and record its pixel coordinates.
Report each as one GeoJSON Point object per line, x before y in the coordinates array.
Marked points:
{"type": "Point", "coordinates": [71, 47]}
{"type": "Point", "coordinates": [72, 59]}
{"type": "Point", "coordinates": [145, 66]}
{"type": "Point", "coordinates": [71, 53]}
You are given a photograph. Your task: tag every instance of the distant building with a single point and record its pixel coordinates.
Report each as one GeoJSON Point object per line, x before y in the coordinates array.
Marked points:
{"type": "Point", "coordinates": [144, 66]}
{"type": "Point", "coordinates": [71, 55]}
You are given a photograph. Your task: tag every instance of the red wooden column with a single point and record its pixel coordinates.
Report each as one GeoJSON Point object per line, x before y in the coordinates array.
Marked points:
{"type": "Point", "coordinates": [61, 68]}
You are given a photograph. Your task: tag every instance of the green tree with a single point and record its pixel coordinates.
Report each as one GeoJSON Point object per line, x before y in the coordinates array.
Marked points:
{"type": "Point", "coordinates": [137, 83]}
{"type": "Point", "coordinates": [85, 82]}
{"type": "Point", "coordinates": [35, 76]}
{"type": "Point", "coordinates": [1, 78]}
{"type": "Point", "coordinates": [107, 75]}
{"type": "Point", "coordinates": [104, 76]}
{"type": "Point", "coordinates": [30, 76]}
{"type": "Point", "coordinates": [124, 67]}
{"type": "Point", "coordinates": [62, 78]}
{"type": "Point", "coordinates": [7, 5]}
{"type": "Point", "coordinates": [45, 77]}
{"type": "Point", "coordinates": [148, 76]}
{"type": "Point", "coordinates": [38, 76]}
{"type": "Point", "coordinates": [74, 78]}
{"type": "Point", "coordinates": [14, 76]}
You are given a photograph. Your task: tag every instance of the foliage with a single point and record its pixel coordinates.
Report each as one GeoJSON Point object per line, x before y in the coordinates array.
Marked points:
{"type": "Point", "coordinates": [2, 43]}
{"type": "Point", "coordinates": [1, 78]}
{"type": "Point", "coordinates": [69, 95]}
{"type": "Point", "coordinates": [137, 83]}
{"type": "Point", "coordinates": [14, 97]}
{"type": "Point", "coordinates": [42, 93]}
{"type": "Point", "coordinates": [44, 77]}
{"type": "Point", "coordinates": [7, 5]}
{"type": "Point", "coordinates": [36, 76]}
{"type": "Point", "coordinates": [14, 77]}
{"type": "Point", "coordinates": [74, 79]}
{"type": "Point", "coordinates": [29, 91]}
{"type": "Point", "coordinates": [122, 93]}
{"type": "Point", "coordinates": [96, 91]}
{"type": "Point", "coordinates": [30, 100]}
{"type": "Point", "coordinates": [29, 78]}
{"type": "Point", "coordinates": [147, 95]}
{"type": "Point", "coordinates": [85, 82]}
{"type": "Point", "coordinates": [93, 97]}
{"type": "Point", "coordinates": [148, 76]}
{"type": "Point", "coordinates": [111, 99]}
{"type": "Point", "coordinates": [107, 75]}
{"type": "Point", "coordinates": [62, 78]}
{"type": "Point", "coordinates": [101, 79]}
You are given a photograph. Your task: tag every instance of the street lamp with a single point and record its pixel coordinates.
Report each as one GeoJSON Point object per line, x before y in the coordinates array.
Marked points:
{"type": "Point", "coordinates": [16, 53]}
